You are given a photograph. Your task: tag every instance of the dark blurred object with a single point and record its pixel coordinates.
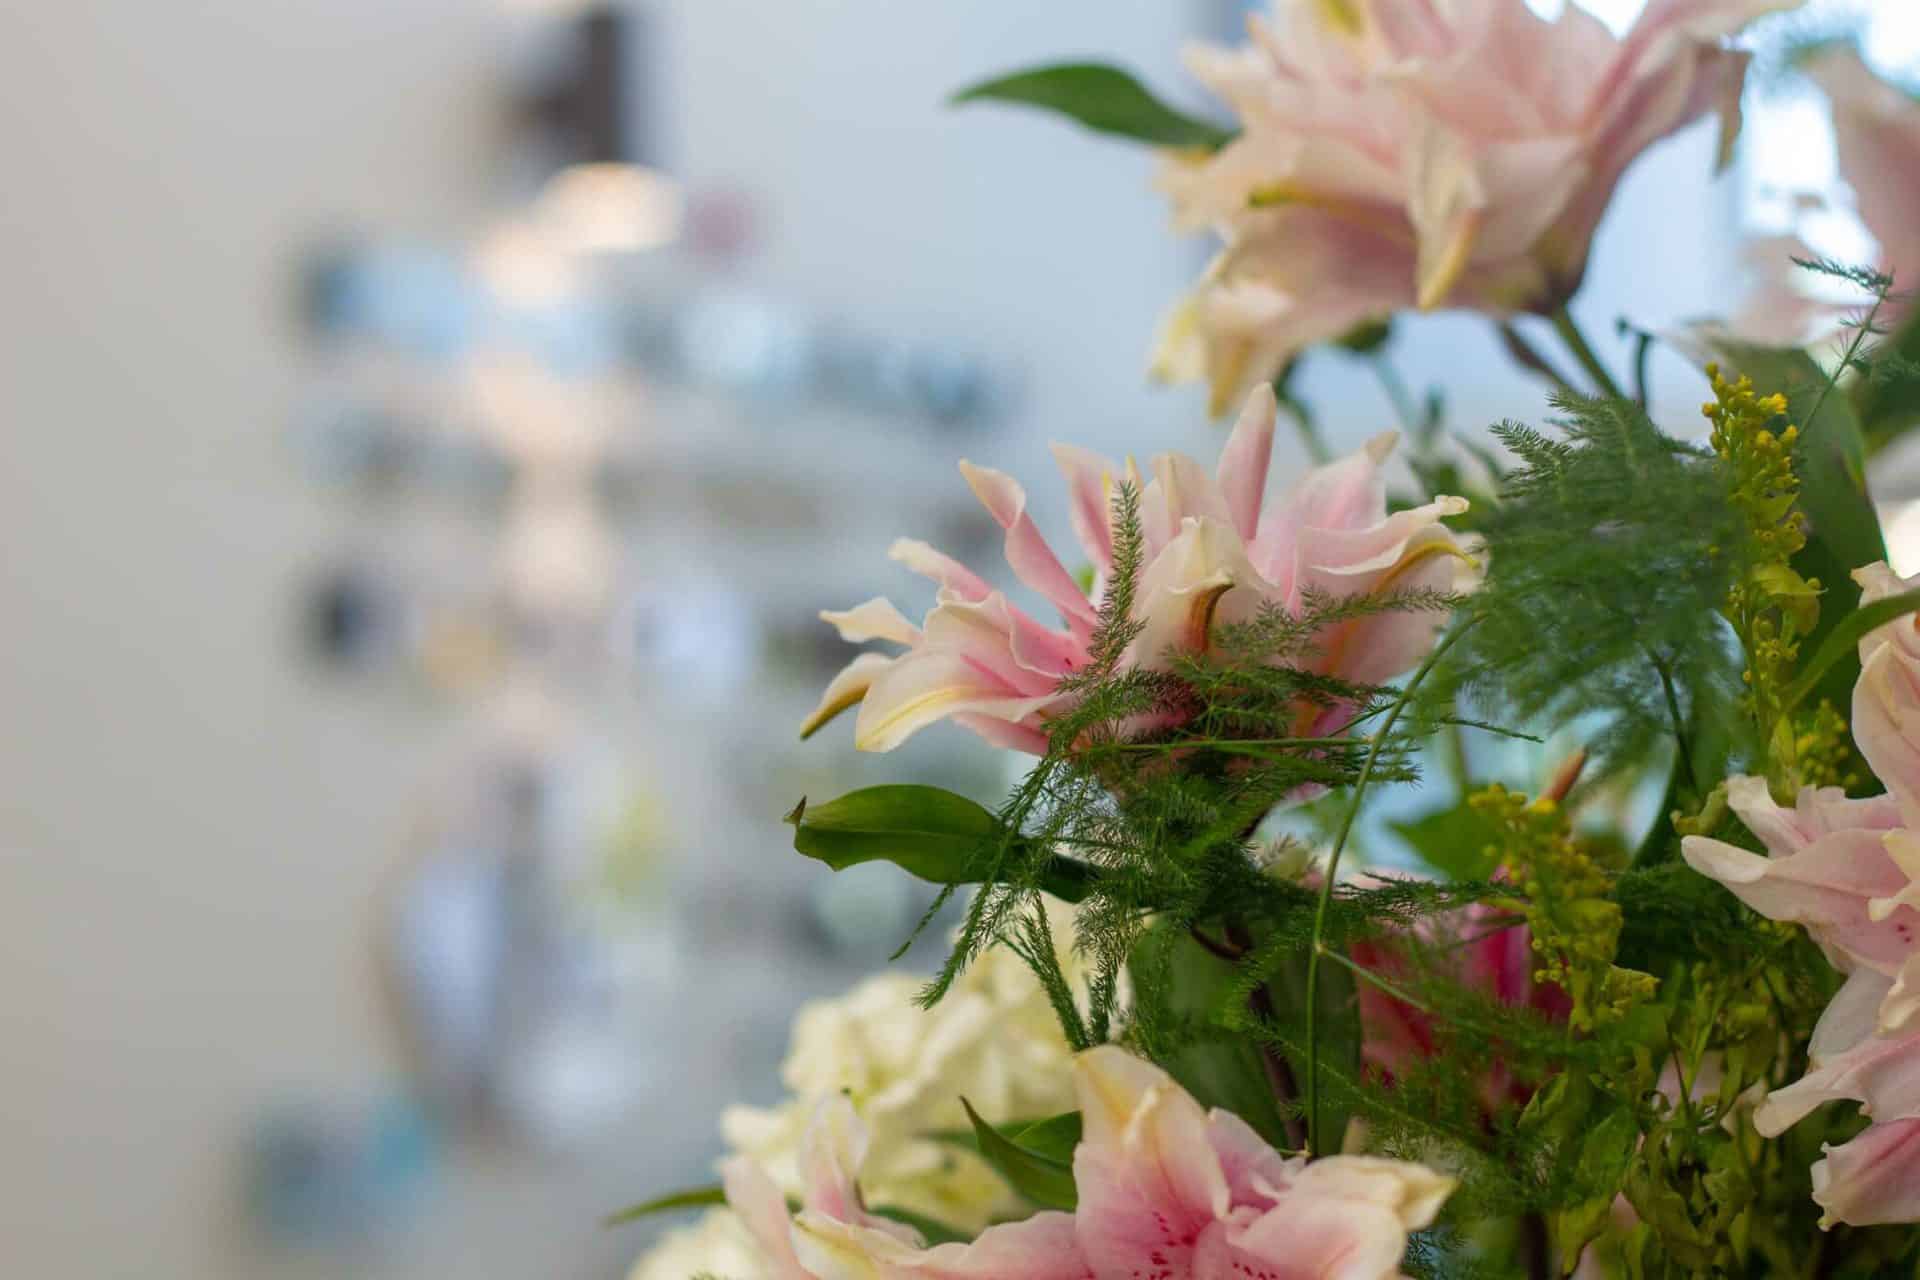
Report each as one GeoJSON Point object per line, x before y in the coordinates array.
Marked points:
{"type": "Point", "coordinates": [352, 620]}
{"type": "Point", "coordinates": [332, 1175]}
{"type": "Point", "coordinates": [590, 98]}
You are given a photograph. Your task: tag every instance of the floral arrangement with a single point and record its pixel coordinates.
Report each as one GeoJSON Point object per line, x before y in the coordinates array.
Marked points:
{"type": "Point", "coordinates": [1652, 1013]}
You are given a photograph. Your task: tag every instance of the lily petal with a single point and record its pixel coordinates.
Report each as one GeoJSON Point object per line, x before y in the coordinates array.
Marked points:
{"type": "Point", "coordinates": [846, 690]}
{"type": "Point", "coordinates": [1032, 560]}
{"type": "Point", "coordinates": [877, 619]}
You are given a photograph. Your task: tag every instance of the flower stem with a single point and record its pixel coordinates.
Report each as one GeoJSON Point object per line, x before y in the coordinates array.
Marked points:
{"type": "Point", "coordinates": [1315, 1139]}
{"type": "Point", "coordinates": [1397, 395]}
{"type": "Point", "coordinates": [1529, 357]}
{"type": "Point", "coordinates": [1279, 1071]}
{"type": "Point", "coordinates": [1563, 324]}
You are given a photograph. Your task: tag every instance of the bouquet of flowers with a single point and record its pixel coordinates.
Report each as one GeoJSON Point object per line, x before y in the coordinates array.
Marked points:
{"type": "Point", "coordinates": [1653, 1016]}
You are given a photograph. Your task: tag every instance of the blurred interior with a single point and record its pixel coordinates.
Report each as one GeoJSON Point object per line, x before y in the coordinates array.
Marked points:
{"type": "Point", "coordinates": [430, 430]}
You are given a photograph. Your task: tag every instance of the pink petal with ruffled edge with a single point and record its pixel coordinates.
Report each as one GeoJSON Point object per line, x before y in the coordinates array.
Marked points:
{"type": "Point", "coordinates": [949, 573]}
{"type": "Point", "coordinates": [1878, 582]}
{"type": "Point", "coordinates": [763, 1211]}
{"type": "Point", "coordinates": [1032, 560]}
{"type": "Point", "coordinates": [929, 685]}
{"type": "Point", "coordinates": [1872, 1180]}
{"type": "Point", "coordinates": [877, 619]}
{"type": "Point", "coordinates": [1348, 494]}
{"type": "Point", "coordinates": [1827, 887]}
{"type": "Point", "coordinates": [1242, 474]}
{"type": "Point", "coordinates": [1886, 724]}
{"type": "Point", "coordinates": [1850, 1060]}
{"type": "Point", "coordinates": [1090, 489]}
{"type": "Point", "coordinates": [1043, 1247]}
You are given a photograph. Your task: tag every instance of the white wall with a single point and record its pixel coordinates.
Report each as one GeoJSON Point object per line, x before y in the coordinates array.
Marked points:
{"type": "Point", "coordinates": [192, 835]}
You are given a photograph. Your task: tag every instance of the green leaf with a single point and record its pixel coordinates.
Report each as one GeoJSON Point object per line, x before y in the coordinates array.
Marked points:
{"type": "Point", "coordinates": [1458, 842]}
{"type": "Point", "coordinates": [1843, 532]}
{"type": "Point", "coordinates": [698, 1198]}
{"type": "Point", "coordinates": [1055, 1137]}
{"type": "Point", "coordinates": [933, 833]}
{"type": "Point", "coordinates": [928, 832]}
{"type": "Point", "coordinates": [1104, 98]}
{"type": "Point", "coordinates": [931, 1230]}
{"type": "Point", "coordinates": [1605, 1149]}
{"type": "Point", "coordinates": [1843, 641]}
{"type": "Point", "coordinates": [1046, 1182]}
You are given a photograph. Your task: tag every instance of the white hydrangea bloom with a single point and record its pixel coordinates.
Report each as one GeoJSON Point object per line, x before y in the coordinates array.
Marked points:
{"type": "Point", "coordinates": [993, 1040]}
{"type": "Point", "coordinates": [717, 1245]}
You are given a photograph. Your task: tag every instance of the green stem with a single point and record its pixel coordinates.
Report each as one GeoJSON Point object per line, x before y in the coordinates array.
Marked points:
{"type": "Point", "coordinates": [1582, 350]}
{"type": "Point", "coordinates": [1679, 721]}
{"type": "Point", "coordinates": [1303, 422]}
{"type": "Point", "coordinates": [1377, 982]}
{"type": "Point", "coordinates": [1398, 396]}
{"type": "Point", "coordinates": [1315, 1145]}
{"type": "Point", "coordinates": [1528, 356]}
{"type": "Point", "coordinates": [1273, 1060]}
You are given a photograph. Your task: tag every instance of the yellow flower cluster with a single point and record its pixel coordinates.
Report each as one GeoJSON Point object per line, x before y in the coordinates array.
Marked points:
{"type": "Point", "coordinates": [1772, 607]}
{"type": "Point", "coordinates": [1575, 927]}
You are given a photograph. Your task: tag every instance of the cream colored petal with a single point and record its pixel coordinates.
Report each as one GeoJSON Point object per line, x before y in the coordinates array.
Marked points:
{"type": "Point", "coordinates": [846, 689]}
{"type": "Point", "coordinates": [877, 619]}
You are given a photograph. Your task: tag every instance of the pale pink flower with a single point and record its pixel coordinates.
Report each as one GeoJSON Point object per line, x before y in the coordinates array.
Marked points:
{"type": "Point", "coordinates": [1876, 129]}
{"type": "Point", "coordinates": [1849, 871]}
{"type": "Point", "coordinates": [1851, 1058]}
{"type": "Point", "coordinates": [834, 1236]}
{"type": "Point", "coordinates": [1886, 700]}
{"type": "Point", "coordinates": [1875, 1178]}
{"type": "Point", "coordinates": [1165, 1189]}
{"type": "Point", "coordinates": [1827, 867]}
{"type": "Point", "coordinates": [1168, 1189]}
{"type": "Point", "coordinates": [1412, 153]}
{"type": "Point", "coordinates": [1216, 552]}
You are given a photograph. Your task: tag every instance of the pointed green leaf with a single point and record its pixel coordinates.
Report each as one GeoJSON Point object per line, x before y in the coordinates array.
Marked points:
{"type": "Point", "coordinates": [698, 1198]}
{"type": "Point", "coordinates": [1457, 841]}
{"type": "Point", "coordinates": [1054, 1138]}
{"type": "Point", "coordinates": [1843, 641]}
{"type": "Point", "coordinates": [1046, 1182]}
{"type": "Point", "coordinates": [1103, 98]}
{"type": "Point", "coordinates": [931, 1230]}
{"type": "Point", "coordinates": [937, 835]}
{"type": "Point", "coordinates": [928, 832]}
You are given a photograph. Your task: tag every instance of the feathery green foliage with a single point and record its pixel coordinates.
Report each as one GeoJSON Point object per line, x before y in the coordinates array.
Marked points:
{"type": "Point", "coordinates": [1610, 553]}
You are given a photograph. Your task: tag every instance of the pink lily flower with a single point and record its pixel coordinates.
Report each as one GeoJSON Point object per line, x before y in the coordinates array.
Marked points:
{"type": "Point", "coordinates": [1166, 1189]}
{"type": "Point", "coordinates": [1849, 871]}
{"type": "Point", "coordinates": [1497, 961]}
{"type": "Point", "coordinates": [1875, 1178]}
{"type": "Point", "coordinates": [1886, 700]}
{"type": "Point", "coordinates": [1828, 867]}
{"type": "Point", "coordinates": [1408, 153]}
{"type": "Point", "coordinates": [1216, 552]}
{"type": "Point", "coordinates": [1877, 131]}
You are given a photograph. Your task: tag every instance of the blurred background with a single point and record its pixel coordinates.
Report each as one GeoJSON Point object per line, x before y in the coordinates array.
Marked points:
{"type": "Point", "coordinates": [430, 428]}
